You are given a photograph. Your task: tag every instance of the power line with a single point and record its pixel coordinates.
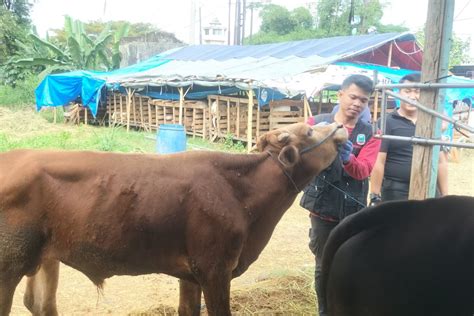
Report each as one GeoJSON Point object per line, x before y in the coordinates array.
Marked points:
{"type": "Point", "coordinates": [459, 13]}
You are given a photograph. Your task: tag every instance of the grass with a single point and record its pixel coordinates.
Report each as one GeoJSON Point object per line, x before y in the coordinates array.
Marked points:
{"type": "Point", "coordinates": [20, 96]}
{"type": "Point", "coordinates": [22, 127]}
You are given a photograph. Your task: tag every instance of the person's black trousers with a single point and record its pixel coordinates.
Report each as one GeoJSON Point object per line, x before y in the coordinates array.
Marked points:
{"type": "Point", "coordinates": [395, 190]}
{"type": "Point", "coordinates": [318, 235]}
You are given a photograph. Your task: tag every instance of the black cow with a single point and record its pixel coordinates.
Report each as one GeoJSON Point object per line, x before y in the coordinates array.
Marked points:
{"type": "Point", "coordinates": [403, 258]}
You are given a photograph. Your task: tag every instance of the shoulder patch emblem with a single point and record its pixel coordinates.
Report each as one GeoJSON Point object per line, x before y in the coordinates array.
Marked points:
{"type": "Point", "coordinates": [360, 140]}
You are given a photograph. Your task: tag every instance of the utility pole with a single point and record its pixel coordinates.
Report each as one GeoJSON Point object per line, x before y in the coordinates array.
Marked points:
{"type": "Point", "coordinates": [251, 19]}
{"type": "Point", "coordinates": [192, 29]}
{"type": "Point", "coordinates": [244, 11]}
{"type": "Point", "coordinates": [438, 34]}
{"type": "Point", "coordinates": [228, 24]}
{"type": "Point", "coordinates": [237, 23]}
{"type": "Point", "coordinates": [200, 26]}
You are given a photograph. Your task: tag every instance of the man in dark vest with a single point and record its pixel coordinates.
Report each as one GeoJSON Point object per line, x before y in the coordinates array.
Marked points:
{"type": "Point", "coordinates": [342, 188]}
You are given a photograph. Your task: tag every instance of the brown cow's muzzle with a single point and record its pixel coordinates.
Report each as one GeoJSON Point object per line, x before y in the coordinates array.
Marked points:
{"type": "Point", "coordinates": [338, 132]}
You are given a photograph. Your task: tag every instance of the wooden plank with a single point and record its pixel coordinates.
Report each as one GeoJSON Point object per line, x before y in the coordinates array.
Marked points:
{"type": "Point", "coordinates": [249, 121]}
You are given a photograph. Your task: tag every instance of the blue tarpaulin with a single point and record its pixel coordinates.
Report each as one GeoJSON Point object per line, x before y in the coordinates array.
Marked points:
{"type": "Point", "coordinates": [270, 66]}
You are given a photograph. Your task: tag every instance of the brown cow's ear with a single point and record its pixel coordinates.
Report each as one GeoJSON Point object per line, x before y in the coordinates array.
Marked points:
{"type": "Point", "coordinates": [289, 156]}
{"type": "Point", "coordinates": [262, 142]}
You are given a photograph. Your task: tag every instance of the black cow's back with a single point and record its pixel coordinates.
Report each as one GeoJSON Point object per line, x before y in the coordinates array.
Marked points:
{"type": "Point", "coordinates": [403, 258]}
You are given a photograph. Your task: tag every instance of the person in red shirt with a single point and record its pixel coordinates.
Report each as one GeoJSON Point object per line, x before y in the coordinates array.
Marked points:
{"type": "Point", "coordinates": [341, 189]}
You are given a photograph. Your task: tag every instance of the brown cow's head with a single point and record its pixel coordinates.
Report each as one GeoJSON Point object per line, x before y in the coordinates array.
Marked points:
{"type": "Point", "coordinates": [289, 141]}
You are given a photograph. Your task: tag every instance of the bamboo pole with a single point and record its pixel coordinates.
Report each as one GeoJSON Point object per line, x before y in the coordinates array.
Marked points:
{"type": "Point", "coordinates": [204, 123]}
{"type": "Point", "coordinates": [55, 113]}
{"type": "Point", "coordinates": [249, 120]}
{"type": "Point", "coordinates": [228, 116]}
{"type": "Point", "coordinates": [218, 127]}
{"type": "Point", "coordinates": [307, 109]}
{"type": "Point", "coordinates": [389, 59]}
{"type": "Point", "coordinates": [257, 132]}
{"type": "Point", "coordinates": [181, 104]}
{"type": "Point", "coordinates": [209, 106]}
{"type": "Point", "coordinates": [238, 119]}
{"type": "Point", "coordinates": [121, 109]}
{"type": "Point", "coordinates": [85, 115]}
{"type": "Point", "coordinates": [129, 104]}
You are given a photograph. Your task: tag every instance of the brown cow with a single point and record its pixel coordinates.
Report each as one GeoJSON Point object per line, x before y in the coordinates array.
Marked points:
{"type": "Point", "coordinates": [203, 217]}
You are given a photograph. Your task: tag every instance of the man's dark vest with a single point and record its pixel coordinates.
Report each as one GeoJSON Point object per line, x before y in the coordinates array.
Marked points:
{"type": "Point", "coordinates": [322, 198]}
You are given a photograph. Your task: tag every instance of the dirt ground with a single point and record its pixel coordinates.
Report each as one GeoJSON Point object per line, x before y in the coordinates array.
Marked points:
{"type": "Point", "coordinates": [286, 252]}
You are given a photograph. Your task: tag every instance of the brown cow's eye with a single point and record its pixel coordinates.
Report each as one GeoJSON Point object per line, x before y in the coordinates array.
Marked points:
{"type": "Point", "coordinates": [310, 132]}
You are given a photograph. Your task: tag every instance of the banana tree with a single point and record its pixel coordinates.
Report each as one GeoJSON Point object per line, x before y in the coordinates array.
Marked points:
{"type": "Point", "coordinates": [81, 50]}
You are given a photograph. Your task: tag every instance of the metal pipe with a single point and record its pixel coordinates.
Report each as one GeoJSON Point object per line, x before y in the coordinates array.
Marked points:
{"type": "Point", "coordinates": [425, 141]}
{"type": "Point", "coordinates": [424, 85]}
{"type": "Point", "coordinates": [383, 111]}
{"type": "Point", "coordinates": [430, 111]}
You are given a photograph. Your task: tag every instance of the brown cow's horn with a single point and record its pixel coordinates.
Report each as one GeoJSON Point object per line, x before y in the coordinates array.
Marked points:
{"type": "Point", "coordinates": [283, 137]}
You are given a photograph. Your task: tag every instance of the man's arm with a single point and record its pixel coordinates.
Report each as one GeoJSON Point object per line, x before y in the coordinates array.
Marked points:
{"type": "Point", "coordinates": [361, 166]}
{"type": "Point", "coordinates": [443, 173]}
{"type": "Point", "coordinates": [377, 174]}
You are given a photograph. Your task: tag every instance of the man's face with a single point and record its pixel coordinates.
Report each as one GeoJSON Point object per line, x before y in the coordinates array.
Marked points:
{"type": "Point", "coordinates": [353, 100]}
{"type": "Point", "coordinates": [412, 93]}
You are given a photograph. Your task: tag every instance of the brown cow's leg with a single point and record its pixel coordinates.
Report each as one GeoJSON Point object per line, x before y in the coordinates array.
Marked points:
{"type": "Point", "coordinates": [189, 298]}
{"type": "Point", "coordinates": [40, 295]}
{"type": "Point", "coordinates": [217, 294]}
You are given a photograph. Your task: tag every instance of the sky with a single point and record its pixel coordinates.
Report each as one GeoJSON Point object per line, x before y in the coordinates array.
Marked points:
{"type": "Point", "coordinates": [174, 16]}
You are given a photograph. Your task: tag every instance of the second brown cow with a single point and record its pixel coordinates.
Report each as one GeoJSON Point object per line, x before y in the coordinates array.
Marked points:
{"type": "Point", "coordinates": [202, 217]}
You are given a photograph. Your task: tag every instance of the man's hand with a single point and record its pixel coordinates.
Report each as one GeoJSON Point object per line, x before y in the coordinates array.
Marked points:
{"type": "Point", "coordinates": [375, 199]}
{"type": "Point", "coordinates": [345, 152]}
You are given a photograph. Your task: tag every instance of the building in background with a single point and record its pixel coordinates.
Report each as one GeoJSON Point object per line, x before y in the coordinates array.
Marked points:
{"type": "Point", "coordinates": [214, 33]}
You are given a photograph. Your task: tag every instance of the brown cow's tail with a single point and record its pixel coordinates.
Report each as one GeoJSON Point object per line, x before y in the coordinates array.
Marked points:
{"type": "Point", "coordinates": [367, 218]}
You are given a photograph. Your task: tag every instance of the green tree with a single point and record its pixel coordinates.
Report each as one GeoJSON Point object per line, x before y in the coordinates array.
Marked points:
{"type": "Point", "coordinates": [459, 53]}
{"type": "Point", "coordinates": [277, 19]}
{"type": "Point", "coordinates": [333, 18]}
{"type": "Point", "coordinates": [302, 18]}
{"type": "Point", "coordinates": [20, 9]}
{"type": "Point", "coordinates": [79, 51]}
{"type": "Point", "coordinates": [340, 17]}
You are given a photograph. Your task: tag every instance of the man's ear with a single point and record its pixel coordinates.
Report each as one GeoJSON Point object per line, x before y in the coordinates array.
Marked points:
{"type": "Point", "coordinates": [289, 156]}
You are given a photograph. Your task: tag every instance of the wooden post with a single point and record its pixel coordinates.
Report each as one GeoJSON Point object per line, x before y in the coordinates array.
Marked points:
{"type": "Point", "coordinates": [181, 104]}
{"type": "Point", "coordinates": [307, 108]}
{"type": "Point", "coordinates": [237, 127]}
{"type": "Point", "coordinates": [204, 118]}
{"type": "Point", "coordinates": [85, 115]}
{"type": "Point", "coordinates": [376, 96]}
{"type": "Point", "coordinates": [218, 120]}
{"type": "Point", "coordinates": [320, 105]}
{"type": "Point", "coordinates": [249, 120]}
{"type": "Point", "coordinates": [389, 59]}
{"type": "Point", "coordinates": [257, 130]}
{"type": "Point", "coordinates": [438, 32]}
{"type": "Point", "coordinates": [129, 103]}
{"type": "Point", "coordinates": [228, 116]}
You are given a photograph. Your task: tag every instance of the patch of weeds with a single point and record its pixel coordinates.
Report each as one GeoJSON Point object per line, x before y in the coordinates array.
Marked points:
{"type": "Point", "coordinates": [107, 141]}
{"type": "Point", "coordinates": [229, 143]}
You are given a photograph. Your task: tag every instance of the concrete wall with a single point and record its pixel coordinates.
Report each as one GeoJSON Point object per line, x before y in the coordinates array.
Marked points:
{"type": "Point", "coordinates": [138, 49]}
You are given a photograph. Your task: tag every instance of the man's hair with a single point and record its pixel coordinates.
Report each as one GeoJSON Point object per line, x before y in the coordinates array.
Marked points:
{"type": "Point", "coordinates": [413, 77]}
{"type": "Point", "coordinates": [467, 101]}
{"type": "Point", "coordinates": [361, 81]}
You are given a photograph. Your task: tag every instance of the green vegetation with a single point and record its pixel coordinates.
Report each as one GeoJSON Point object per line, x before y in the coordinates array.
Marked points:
{"type": "Point", "coordinates": [24, 128]}
{"type": "Point", "coordinates": [331, 18]}
{"type": "Point", "coordinates": [21, 95]}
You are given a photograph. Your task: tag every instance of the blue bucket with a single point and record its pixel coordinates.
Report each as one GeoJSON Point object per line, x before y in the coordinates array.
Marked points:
{"type": "Point", "coordinates": [171, 138]}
